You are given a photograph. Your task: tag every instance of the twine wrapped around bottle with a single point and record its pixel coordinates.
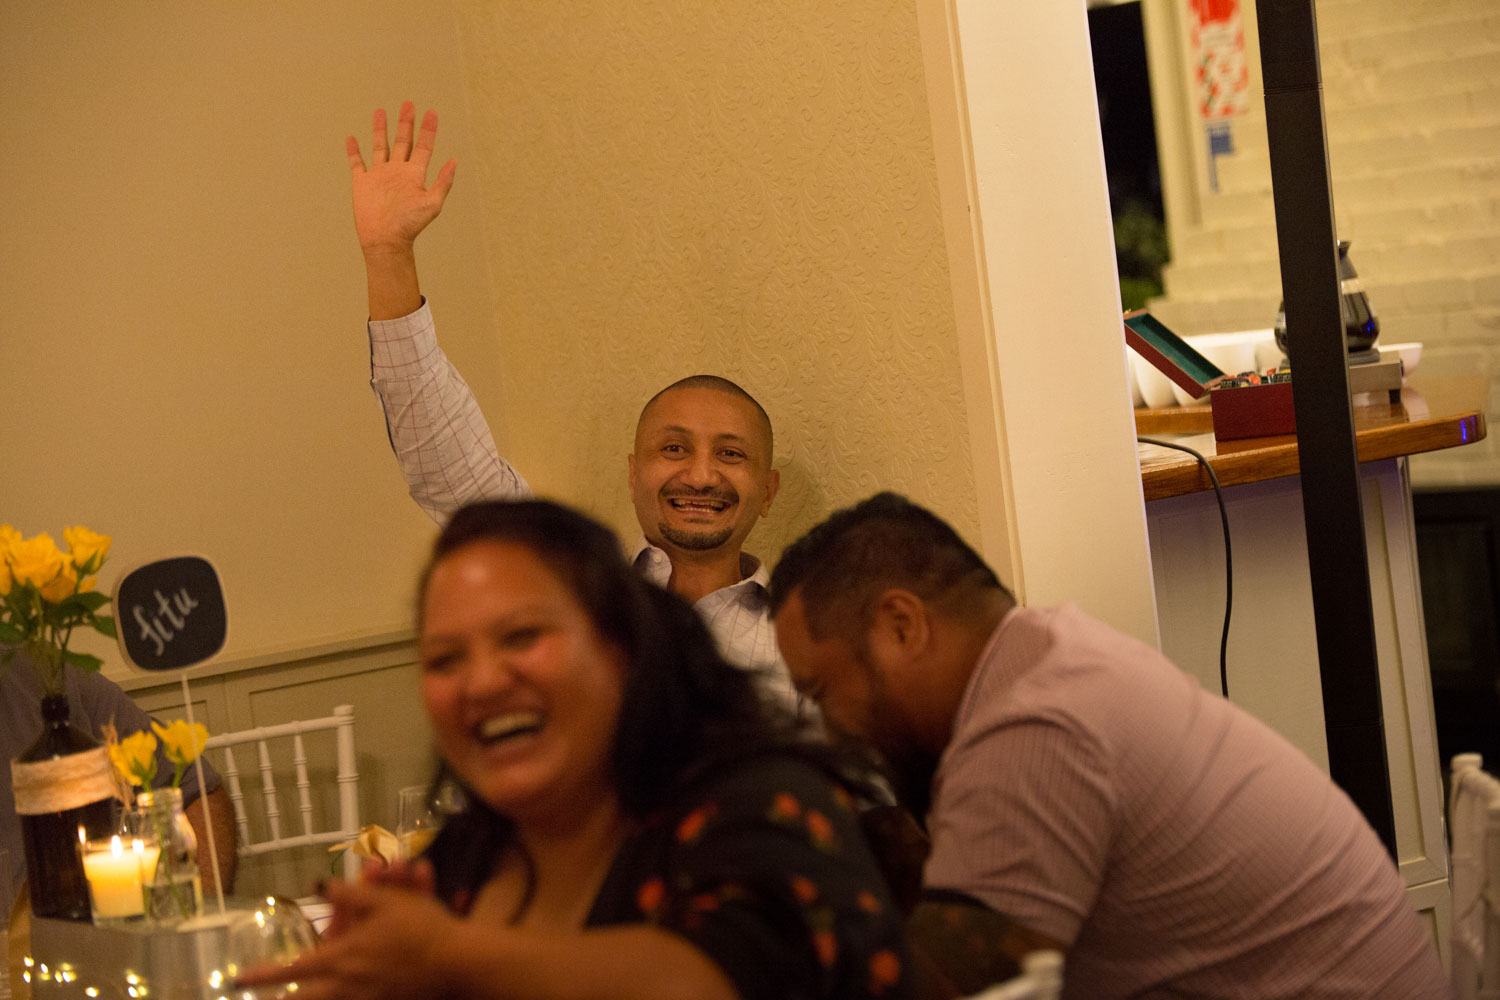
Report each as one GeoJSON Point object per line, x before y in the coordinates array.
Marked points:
{"type": "Point", "coordinates": [52, 786]}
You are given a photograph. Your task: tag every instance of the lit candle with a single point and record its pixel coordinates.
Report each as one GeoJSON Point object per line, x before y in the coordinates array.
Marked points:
{"type": "Point", "coordinates": [114, 875]}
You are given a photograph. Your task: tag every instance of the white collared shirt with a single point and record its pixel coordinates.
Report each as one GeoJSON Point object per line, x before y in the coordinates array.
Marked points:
{"type": "Point", "coordinates": [739, 618]}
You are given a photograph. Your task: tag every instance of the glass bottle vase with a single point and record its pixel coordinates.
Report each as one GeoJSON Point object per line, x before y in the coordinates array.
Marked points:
{"type": "Point", "coordinates": [174, 891]}
{"type": "Point", "coordinates": [64, 793]}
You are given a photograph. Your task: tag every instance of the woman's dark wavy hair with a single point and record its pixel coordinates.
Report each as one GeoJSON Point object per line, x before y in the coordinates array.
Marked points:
{"type": "Point", "coordinates": [684, 711]}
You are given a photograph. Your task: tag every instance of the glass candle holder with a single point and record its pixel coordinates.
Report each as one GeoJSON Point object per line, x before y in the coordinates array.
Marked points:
{"type": "Point", "coordinates": [416, 823]}
{"type": "Point", "coordinates": [116, 870]}
{"type": "Point", "coordinates": [174, 888]}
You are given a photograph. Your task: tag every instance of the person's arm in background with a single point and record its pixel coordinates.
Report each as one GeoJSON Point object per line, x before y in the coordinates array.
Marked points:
{"type": "Point", "coordinates": [225, 840]}
{"type": "Point", "coordinates": [436, 429]}
{"type": "Point", "coordinates": [960, 947]}
{"type": "Point", "coordinates": [1004, 878]}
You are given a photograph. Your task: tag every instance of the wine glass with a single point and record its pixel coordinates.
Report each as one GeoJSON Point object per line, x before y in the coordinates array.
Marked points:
{"type": "Point", "coordinates": [416, 823]}
{"type": "Point", "coordinates": [275, 932]}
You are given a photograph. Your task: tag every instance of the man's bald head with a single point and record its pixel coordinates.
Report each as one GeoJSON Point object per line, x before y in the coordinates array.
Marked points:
{"type": "Point", "coordinates": [719, 384]}
{"type": "Point", "coordinates": [700, 473]}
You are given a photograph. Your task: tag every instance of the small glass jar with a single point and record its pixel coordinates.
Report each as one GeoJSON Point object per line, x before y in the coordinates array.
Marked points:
{"type": "Point", "coordinates": [174, 890]}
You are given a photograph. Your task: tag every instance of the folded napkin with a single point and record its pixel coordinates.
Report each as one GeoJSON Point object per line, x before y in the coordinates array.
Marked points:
{"type": "Point", "coordinates": [374, 842]}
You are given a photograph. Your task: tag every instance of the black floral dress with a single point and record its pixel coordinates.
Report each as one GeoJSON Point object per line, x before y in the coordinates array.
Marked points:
{"type": "Point", "coordinates": [763, 868]}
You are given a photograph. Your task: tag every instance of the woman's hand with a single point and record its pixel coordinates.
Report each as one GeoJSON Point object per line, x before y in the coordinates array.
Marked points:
{"type": "Point", "coordinates": [413, 876]}
{"type": "Point", "coordinates": [381, 945]}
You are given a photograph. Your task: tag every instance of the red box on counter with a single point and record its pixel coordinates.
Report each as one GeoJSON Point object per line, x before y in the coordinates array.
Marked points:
{"type": "Point", "coordinates": [1246, 411]}
{"type": "Point", "coordinates": [1239, 411]}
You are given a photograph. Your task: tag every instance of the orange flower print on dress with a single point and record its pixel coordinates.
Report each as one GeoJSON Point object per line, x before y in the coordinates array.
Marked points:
{"type": "Point", "coordinates": [885, 970]}
{"type": "Point", "coordinates": [649, 896]}
{"type": "Point", "coordinates": [704, 902]}
{"type": "Point", "coordinates": [827, 947]}
{"type": "Point", "coordinates": [868, 902]}
{"type": "Point", "coordinates": [785, 807]}
{"type": "Point", "coordinates": [692, 824]}
{"type": "Point", "coordinates": [843, 798]}
{"type": "Point", "coordinates": [821, 829]}
{"type": "Point", "coordinates": [805, 889]}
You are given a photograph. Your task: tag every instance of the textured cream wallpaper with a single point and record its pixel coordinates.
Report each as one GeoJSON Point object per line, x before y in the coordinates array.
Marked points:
{"type": "Point", "coordinates": [742, 189]}
{"type": "Point", "coordinates": [182, 347]}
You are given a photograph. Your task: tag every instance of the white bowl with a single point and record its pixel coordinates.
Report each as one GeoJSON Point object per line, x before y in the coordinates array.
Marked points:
{"type": "Point", "coordinates": [1267, 353]}
{"type": "Point", "coordinates": [1231, 353]}
{"type": "Point", "coordinates": [1136, 399]}
{"type": "Point", "coordinates": [1155, 388]}
{"type": "Point", "coordinates": [1409, 354]}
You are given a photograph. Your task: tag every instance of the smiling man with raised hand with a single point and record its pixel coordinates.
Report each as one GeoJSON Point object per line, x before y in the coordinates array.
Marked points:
{"type": "Point", "coordinates": [700, 473]}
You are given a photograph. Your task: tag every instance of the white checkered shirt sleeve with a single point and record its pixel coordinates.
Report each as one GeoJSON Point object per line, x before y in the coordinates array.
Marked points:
{"type": "Point", "coordinates": [435, 426]}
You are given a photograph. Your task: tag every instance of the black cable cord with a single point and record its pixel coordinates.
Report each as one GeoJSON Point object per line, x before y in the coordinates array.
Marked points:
{"type": "Point", "coordinates": [1228, 559]}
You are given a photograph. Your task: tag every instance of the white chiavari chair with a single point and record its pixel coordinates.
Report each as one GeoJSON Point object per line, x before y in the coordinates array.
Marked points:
{"type": "Point", "coordinates": [306, 832]}
{"type": "Point", "coordinates": [1474, 826]}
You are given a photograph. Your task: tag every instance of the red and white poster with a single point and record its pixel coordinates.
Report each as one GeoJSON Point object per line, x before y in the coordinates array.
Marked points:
{"type": "Point", "coordinates": [1223, 76]}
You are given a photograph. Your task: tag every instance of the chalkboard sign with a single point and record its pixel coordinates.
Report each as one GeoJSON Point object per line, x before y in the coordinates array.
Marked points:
{"type": "Point", "coordinates": [170, 613]}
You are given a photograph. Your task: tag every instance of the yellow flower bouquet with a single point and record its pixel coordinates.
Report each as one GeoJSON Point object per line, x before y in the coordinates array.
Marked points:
{"type": "Point", "coordinates": [46, 593]}
{"type": "Point", "coordinates": [134, 756]}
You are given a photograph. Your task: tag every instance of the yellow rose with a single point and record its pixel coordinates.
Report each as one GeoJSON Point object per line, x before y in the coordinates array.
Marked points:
{"type": "Point", "coordinates": [9, 537]}
{"type": "Point", "coordinates": [134, 758]}
{"type": "Point", "coordinates": [62, 586]}
{"type": "Point", "coordinates": [183, 742]}
{"type": "Point", "coordinates": [36, 561]}
{"type": "Point", "coordinates": [87, 549]}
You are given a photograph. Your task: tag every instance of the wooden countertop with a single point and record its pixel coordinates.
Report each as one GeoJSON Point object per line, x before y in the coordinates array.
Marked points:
{"type": "Point", "coordinates": [1440, 412]}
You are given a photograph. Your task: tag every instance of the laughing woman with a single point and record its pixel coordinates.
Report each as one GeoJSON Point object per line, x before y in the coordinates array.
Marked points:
{"type": "Point", "coordinates": [636, 827]}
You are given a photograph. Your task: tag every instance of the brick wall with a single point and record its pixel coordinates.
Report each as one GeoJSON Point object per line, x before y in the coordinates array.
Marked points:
{"type": "Point", "coordinates": [1412, 112]}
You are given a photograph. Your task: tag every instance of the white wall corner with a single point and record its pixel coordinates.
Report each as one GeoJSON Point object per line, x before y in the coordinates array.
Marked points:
{"type": "Point", "coordinates": [1011, 89]}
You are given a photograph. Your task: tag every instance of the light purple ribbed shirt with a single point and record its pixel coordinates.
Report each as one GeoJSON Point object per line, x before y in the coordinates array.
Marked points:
{"type": "Point", "coordinates": [1094, 793]}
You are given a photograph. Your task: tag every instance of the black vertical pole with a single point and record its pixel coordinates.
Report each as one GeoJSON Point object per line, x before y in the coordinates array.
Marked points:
{"type": "Point", "coordinates": [1331, 505]}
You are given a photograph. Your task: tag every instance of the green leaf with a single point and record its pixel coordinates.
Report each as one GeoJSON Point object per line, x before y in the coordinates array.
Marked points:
{"type": "Point", "coordinates": [88, 602]}
{"type": "Point", "coordinates": [83, 661]}
{"type": "Point", "coordinates": [104, 625]}
{"type": "Point", "coordinates": [10, 635]}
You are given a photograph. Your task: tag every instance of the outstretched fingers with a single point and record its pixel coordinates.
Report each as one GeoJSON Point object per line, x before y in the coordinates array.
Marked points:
{"type": "Point", "coordinates": [356, 161]}
{"type": "Point", "coordinates": [402, 149]}
{"type": "Point", "coordinates": [379, 151]}
{"type": "Point", "coordinates": [426, 140]}
{"type": "Point", "coordinates": [443, 183]}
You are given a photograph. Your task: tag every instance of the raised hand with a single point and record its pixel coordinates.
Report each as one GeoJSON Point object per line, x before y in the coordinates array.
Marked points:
{"type": "Point", "coordinates": [392, 200]}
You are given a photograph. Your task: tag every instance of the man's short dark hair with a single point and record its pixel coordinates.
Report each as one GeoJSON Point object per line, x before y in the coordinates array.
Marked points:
{"type": "Point", "coordinates": [844, 564]}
